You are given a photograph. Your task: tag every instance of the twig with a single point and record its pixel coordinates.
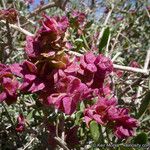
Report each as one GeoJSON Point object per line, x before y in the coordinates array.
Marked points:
{"type": "Point", "coordinates": [147, 12]}
{"type": "Point", "coordinates": [139, 91]}
{"type": "Point", "coordinates": [29, 143]}
{"type": "Point", "coordinates": [64, 4]}
{"type": "Point", "coordinates": [115, 57]}
{"type": "Point", "coordinates": [61, 143]}
{"type": "Point", "coordinates": [131, 69]}
{"type": "Point", "coordinates": [147, 60]}
{"type": "Point", "coordinates": [19, 29]}
{"type": "Point", "coordinates": [38, 10]}
{"type": "Point", "coordinates": [9, 41]}
{"type": "Point", "coordinates": [115, 42]}
{"type": "Point", "coordinates": [136, 82]}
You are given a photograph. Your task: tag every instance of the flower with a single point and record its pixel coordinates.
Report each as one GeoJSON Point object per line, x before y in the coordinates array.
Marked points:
{"type": "Point", "coordinates": [93, 70]}
{"type": "Point", "coordinates": [125, 124]}
{"type": "Point", "coordinates": [106, 112]}
{"type": "Point", "coordinates": [32, 82]}
{"type": "Point", "coordinates": [100, 111]}
{"type": "Point", "coordinates": [49, 42]}
{"type": "Point", "coordinates": [51, 35]}
{"type": "Point", "coordinates": [69, 91]}
{"type": "Point", "coordinates": [21, 123]}
{"type": "Point", "coordinates": [8, 85]}
{"type": "Point", "coordinates": [134, 64]}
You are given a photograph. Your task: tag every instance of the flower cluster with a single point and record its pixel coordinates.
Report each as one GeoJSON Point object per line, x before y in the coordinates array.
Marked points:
{"type": "Point", "coordinates": [106, 112]}
{"type": "Point", "coordinates": [63, 80]}
{"type": "Point", "coordinates": [49, 40]}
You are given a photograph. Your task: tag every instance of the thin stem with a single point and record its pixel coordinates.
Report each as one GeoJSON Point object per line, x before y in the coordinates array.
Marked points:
{"type": "Point", "coordinates": [61, 143]}
{"type": "Point", "coordinates": [29, 143]}
{"type": "Point", "coordinates": [38, 10]}
{"type": "Point", "coordinates": [115, 42]}
{"type": "Point", "coordinates": [131, 69]}
{"type": "Point", "coordinates": [18, 28]}
{"type": "Point", "coordinates": [136, 82]}
{"type": "Point", "coordinates": [147, 60]}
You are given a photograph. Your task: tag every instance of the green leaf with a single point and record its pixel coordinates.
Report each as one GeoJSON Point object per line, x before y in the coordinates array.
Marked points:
{"type": "Point", "coordinates": [30, 115]}
{"type": "Point", "coordinates": [78, 117]}
{"type": "Point", "coordinates": [94, 130]}
{"type": "Point", "coordinates": [141, 138]}
{"type": "Point", "coordinates": [104, 39]}
{"type": "Point", "coordinates": [82, 106]}
{"type": "Point", "coordinates": [144, 105]}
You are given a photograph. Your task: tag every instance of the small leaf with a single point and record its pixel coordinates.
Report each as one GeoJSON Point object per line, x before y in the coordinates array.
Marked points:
{"type": "Point", "coordinates": [82, 106]}
{"type": "Point", "coordinates": [141, 138]}
{"type": "Point", "coordinates": [94, 129]}
{"type": "Point", "coordinates": [79, 40]}
{"type": "Point", "coordinates": [144, 105]}
{"type": "Point", "coordinates": [30, 115]}
{"type": "Point", "coordinates": [78, 117]}
{"type": "Point", "coordinates": [104, 39]}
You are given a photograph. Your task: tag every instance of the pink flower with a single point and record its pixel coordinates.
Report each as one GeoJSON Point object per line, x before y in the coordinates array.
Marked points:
{"type": "Point", "coordinates": [106, 112]}
{"type": "Point", "coordinates": [91, 70]}
{"type": "Point", "coordinates": [69, 92]}
{"type": "Point", "coordinates": [100, 111]}
{"type": "Point", "coordinates": [32, 82]}
{"type": "Point", "coordinates": [50, 37]}
{"type": "Point", "coordinates": [94, 69]}
{"type": "Point", "coordinates": [104, 64]}
{"type": "Point", "coordinates": [125, 124]}
{"type": "Point", "coordinates": [119, 73]}
{"type": "Point", "coordinates": [21, 123]}
{"type": "Point", "coordinates": [8, 85]}
{"type": "Point", "coordinates": [134, 64]}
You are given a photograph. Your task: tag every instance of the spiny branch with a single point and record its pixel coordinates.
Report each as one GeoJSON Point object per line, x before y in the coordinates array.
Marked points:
{"type": "Point", "coordinates": [18, 28]}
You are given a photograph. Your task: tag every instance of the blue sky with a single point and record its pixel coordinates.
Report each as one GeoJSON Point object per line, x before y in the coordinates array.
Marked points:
{"type": "Point", "coordinates": [36, 2]}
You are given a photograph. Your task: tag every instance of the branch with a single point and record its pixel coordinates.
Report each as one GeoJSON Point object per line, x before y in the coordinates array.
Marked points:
{"type": "Point", "coordinates": [9, 41]}
{"type": "Point", "coordinates": [147, 12]}
{"type": "Point", "coordinates": [18, 28]}
{"type": "Point", "coordinates": [115, 42]}
{"type": "Point", "coordinates": [61, 143]}
{"type": "Point", "coordinates": [38, 10]}
{"type": "Point", "coordinates": [131, 69]}
{"type": "Point", "coordinates": [147, 60]}
{"type": "Point", "coordinates": [28, 144]}
{"type": "Point", "coordinates": [136, 82]}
